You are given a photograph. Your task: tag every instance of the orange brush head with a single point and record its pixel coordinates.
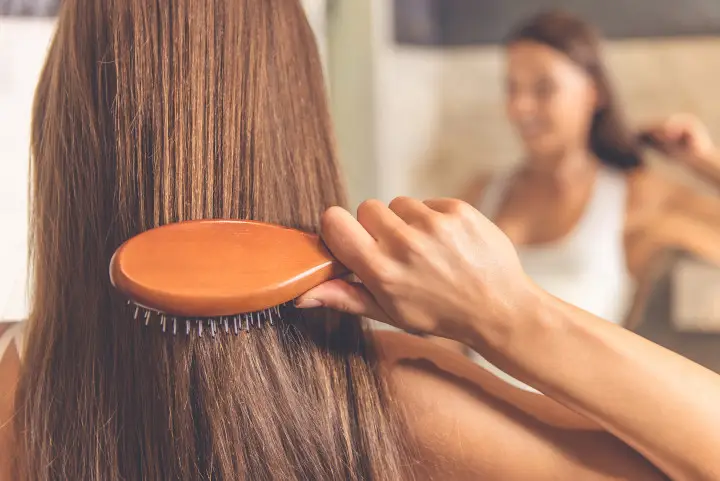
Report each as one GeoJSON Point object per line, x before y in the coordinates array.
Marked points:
{"type": "Point", "coordinates": [216, 268]}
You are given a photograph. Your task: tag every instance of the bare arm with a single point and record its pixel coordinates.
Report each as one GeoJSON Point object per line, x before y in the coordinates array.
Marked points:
{"type": "Point", "coordinates": [704, 208]}
{"type": "Point", "coordinates": [686, 220]}
{"type": "Point", "coordinates": [709, 169]}
{"type": "Point", "coordinates": [696, 236]}
{"type": "Point", "coordinates": [664, 216]}
{"type": "Point", "coordinates": [442, 268]}
{"type": "Point", "coordinates": [658, 402]}
{"type": "Point", "coordinates": [673, 231]}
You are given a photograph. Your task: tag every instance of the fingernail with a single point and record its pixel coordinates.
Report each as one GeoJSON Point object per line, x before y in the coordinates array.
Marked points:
{"type": "Point", "coordinates": [307, 303]}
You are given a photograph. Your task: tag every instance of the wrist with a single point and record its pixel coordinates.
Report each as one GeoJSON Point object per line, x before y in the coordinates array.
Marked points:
{"type": "Point", "coordinates": [523, 310]}
{"type": "Point", "coordinates": [531, 344]}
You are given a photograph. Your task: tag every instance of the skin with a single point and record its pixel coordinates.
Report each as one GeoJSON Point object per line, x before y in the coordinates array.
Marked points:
{"type": "Point", "coordinates": [9, 369]}
{"type": "Point", "coordinates": [550, 102]}
{"type": "Point", "coordinates": [443, 269]}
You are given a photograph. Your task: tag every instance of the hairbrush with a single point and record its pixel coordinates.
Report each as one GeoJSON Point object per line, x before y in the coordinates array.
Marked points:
{"type": "Point", "coordinates": [647, 139]}
{"type": "Point", "coordinates": [222, 275]}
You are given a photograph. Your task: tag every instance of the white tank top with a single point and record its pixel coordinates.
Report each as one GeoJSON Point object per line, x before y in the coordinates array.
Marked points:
{"type": "Point", "coordinates": [587, 267]}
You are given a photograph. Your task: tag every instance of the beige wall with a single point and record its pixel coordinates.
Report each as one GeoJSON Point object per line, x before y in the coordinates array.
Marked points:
{"type": "Point", "coordinates": [317, 18]}
{"type": "Point", "coordinates": [439, 114]}
{"type": "Point", "coordinates": [352, 93]}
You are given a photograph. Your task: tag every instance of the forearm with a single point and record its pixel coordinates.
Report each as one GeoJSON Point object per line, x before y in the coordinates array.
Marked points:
{"type": "Point", "coordinates": [661, 404]}
{"type": "Point", "coordinates": [709, 168]}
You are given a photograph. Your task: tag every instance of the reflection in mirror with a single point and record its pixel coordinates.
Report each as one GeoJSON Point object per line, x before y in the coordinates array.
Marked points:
{"type": "Point", "coordinates": [454, 110]}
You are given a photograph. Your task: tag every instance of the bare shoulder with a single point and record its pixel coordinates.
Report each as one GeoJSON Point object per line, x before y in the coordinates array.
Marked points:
{"type": "Point", "coordinates": [649, 191]}
{"type": "Point", "coordinates": [472, 191]}
{"type": "Point", "coordinates": [10, 350]}
{"type": "Point", "coordinates": [418, 366]}
{"type": "Point", "coordinates": [666, 214]}
{"type": "Point", "coordinates": [468, 424]}
{"type": "Point", "coordinates": [659, 192]}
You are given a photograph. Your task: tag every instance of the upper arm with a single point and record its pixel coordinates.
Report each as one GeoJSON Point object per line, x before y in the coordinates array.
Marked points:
{"type": "Point", "coordinates": [668, 215]}
{"type": "Point", "coordinates": [690, 221]}
{"type": "Point", "coordinates": [695, 236]}
{"type": "Point", "coordinates": [9, 371]}
{"type": "Point", "coordinates": [699, 206]}
{"type": "Point", "coordinates": [470, 425]}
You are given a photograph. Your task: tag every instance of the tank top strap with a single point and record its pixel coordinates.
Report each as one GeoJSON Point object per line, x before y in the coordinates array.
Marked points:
{"type": "Point", "coordinates": [607, 206]}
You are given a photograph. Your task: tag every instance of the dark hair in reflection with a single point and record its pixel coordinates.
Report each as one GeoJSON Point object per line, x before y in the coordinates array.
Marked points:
{"type": "Point", "coordinates": [611, 140]}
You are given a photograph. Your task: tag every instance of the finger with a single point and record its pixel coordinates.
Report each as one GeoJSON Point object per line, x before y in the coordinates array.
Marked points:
{"type": "Point", "coordinates": [682, 126]}
{"type": "Point", "coordinates": [412, 211]}
{"type": "Point", "coordinates": [452, 206]}
{"type": "Point", "coordinates": [378, 220]}
{"type": "Point", "coordinates": [343, 296]}
{"type": "Point", "coordinates": [674, 131]}
{"type": "Point", "coordinates": [348, 241]}
{"type": "Point", "coordinates": [458, 208]}
{"type": "Point", "coordinates": [442, 205]}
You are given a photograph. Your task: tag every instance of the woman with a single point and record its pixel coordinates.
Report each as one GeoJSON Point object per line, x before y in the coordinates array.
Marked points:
{"type": "Point", "coordinates": [154, 112]}
{"type": "Point", "coordinates": [146, 114]}
{"type": "Point", "coordinates": [587, 217]}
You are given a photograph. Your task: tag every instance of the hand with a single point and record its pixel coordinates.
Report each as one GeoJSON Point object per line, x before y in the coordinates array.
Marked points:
{"type": "Point", "coordinates": [685, 138]}
{"type": "Point", "coordinates": [437, 267]}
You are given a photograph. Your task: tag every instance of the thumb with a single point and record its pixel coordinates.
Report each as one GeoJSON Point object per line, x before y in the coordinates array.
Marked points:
{"type": "Point", "coordinates": [340, 295]}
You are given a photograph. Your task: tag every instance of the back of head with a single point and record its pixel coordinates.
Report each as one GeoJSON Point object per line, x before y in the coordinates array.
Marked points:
{"type": "Point", "coordinates": [150, 112]}
{"type": "Point", "coordinates": [611, 140]}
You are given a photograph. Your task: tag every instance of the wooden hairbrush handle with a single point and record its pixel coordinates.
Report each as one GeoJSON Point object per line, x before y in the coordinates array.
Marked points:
{"type": "Point", "coordinates": [211, 268]}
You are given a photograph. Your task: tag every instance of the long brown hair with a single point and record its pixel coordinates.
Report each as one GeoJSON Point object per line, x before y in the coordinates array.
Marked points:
{"type": "Point", "coordinates": [155, 111]}
{"type": "Point", "coordinates": [611, 140]}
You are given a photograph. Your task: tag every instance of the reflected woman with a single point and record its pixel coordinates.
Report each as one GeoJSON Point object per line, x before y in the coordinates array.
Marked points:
{"type": "Point", "coordinates": [587, 217]}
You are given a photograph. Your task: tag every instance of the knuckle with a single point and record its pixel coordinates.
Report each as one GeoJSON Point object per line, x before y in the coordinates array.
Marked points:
{"type": "Point", "coordinates": [437, 225]}
{"type": "Point", "coordinates": [368, 206]}
{"type": "Point", "coordinates": [411, 244]}
{"type": "Point", "coordinates": [406, 241]}
{"type": "Point", "coordinates": [462, 209]}
{"type": "Point", "coordinates": [328, 218]}
{"type": "Point", "coordinates": [383, 273]}
{"type": "Point", "coordinates": [398, 202]}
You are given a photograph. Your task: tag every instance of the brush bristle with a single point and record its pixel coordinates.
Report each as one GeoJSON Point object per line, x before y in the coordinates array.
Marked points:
{"type": "Point", "coordinates": [215, 325]}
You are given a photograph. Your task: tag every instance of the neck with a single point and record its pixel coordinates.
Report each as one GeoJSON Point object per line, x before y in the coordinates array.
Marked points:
{"type": "Point", "coordinates": [570, 170]}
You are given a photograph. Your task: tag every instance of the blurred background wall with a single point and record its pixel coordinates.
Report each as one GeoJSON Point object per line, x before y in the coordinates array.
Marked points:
{"type": "Point", "coordinates": [351, 78]}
